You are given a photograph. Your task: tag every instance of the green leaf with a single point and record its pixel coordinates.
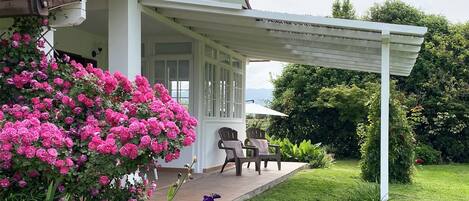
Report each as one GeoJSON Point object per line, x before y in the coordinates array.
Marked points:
{"type": "Point", "coordinates": [171, 193]}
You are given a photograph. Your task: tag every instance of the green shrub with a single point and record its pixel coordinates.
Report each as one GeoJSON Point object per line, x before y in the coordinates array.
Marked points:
{"type": "Point", "coordinates": [313, 154]}
{"type": "Point", "coordinates": [428, 154]}
{"type": "Point", "coordinates": [364, 192]}
{"type": "Point", "coordinates": [401, 142]}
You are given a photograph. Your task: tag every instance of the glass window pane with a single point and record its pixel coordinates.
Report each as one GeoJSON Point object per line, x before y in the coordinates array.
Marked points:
{"type": "Point", "coordinates": [160, 72]}
{"type": "Point", "coordinates": [145, 72]}
{"type": "Point", "coordinates": [225, 58]}
{"type": "Point", "coordinates": [238, 95]}
{"type": "Point", "coordinates": [209, 90]}
{"type": "Point", "coordinates": [236, 63]}
{"type": "Point", "coordinates": [183, 70]}
{"type": "Point", "coordinates": [225, 93]}
{"type": "Point", "coordinates": [173, 91]}
{"type": "Point", "coordinates": [172, 67]}
{"type": "Point", "coordinates": [173, 48]}
{"type": "Point", "coordinates": [210, 52]}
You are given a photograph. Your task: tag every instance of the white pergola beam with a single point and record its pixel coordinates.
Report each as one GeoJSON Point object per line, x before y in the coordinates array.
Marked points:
{"type": "Point", "coordinates": [241, 23]}
{"type": "Point", "coordinates": [319, 62]}
{"type": "Point", "coordinates": [351, 52]}
{"type": "Point", "coordinates": [305, 30]}
{"type": "Point", "coordinates": [384, 123]}
{"type": "Point", "coordinates": [314, 20]}
{"type": "Point", "coordinates": [249, 32]}
{"type": "Point", "coordinates": [278, 53]}
{"type": "Point", "coordinates": [279, 50]}
{"type": "Point", "coordinates": [334, 46]}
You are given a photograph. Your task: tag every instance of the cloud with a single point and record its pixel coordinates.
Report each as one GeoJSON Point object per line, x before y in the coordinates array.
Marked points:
{"type": "Point", "coordinates": [258, 74]}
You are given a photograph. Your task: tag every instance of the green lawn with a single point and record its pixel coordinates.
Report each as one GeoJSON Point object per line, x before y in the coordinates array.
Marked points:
{"type": "Point", "coordinates": [432, 183]}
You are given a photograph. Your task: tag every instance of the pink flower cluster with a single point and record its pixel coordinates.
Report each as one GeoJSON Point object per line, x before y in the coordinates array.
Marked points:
{"type": "Point", "coordinates": [17, 39]}
{"type": "Point", "coordinates": [60, 116]}
{"type": "Point", "coordinates": [35, 140]}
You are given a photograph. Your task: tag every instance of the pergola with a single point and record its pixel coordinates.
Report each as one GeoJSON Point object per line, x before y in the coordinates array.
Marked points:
{"type": "Point", "coordinates": [388, 49]}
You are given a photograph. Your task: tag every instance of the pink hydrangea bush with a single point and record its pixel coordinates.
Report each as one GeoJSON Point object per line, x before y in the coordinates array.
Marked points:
{"type": "Point", "coordinates": [79, 127]}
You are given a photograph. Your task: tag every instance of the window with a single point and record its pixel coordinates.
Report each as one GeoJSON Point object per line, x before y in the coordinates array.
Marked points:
{"type": "Point", "coordinates": [173, 48]}
{"type": "Point", "coordinates": [236, 63]}
{"type": "Point", "coordinates": [225, 92]}
{"type": "Point", "coordinates": [238, 95]}
{"type": "Point", "coordinates": [174, 74]}
{"type": "Point", "coordinates": [223, 84]}
{"type": "Point", "coordinates": [160, 72]}
{"type": "Point", "coordinates": [169, 64]}
{"type": "Point", "coordinates": [225, 58]}
{"type": "Point", "coordinates": [145, 70]}
{"type": "Point", "coordinates": [210, 52]}
{"type": "Point", "coordinates": [210, 90]}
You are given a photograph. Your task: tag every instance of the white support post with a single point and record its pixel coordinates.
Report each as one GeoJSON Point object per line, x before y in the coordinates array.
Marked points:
{"type": "Point", "coordinates": [384, 170]}
{"type": "Point", "coordinates": [124, 37]}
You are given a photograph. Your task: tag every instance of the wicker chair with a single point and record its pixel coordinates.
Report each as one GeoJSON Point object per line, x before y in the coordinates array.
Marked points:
{"type": "Point", "coordinates": [256, 137]}
{"type": "Point", "coordinates": [234, 150]}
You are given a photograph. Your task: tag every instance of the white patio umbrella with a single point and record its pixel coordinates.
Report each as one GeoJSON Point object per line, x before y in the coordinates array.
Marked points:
{"type": "Point", "coordinates": [252, 108]}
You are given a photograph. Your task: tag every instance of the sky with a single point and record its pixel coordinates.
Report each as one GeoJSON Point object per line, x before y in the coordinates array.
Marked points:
{"type": "Point", "coordinates": [259, 74]}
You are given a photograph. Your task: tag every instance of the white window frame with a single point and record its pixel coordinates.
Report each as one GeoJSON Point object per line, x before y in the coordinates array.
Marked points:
{"type": "Point", "coordinates": [210, 100]}
{"type": "Point", "coordinates": [150, 61]}
{"type": "Point", "coordinates": [232, 71]}
{"type": "Point", "coordinates": [238, 88]}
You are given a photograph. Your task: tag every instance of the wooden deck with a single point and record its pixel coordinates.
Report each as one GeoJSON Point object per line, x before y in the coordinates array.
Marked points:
{"type": "Point", "coordinates": [227, 184]}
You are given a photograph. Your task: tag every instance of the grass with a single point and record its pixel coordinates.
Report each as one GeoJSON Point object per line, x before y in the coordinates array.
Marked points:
{"type": "Point", "coordinates": [431, 183]}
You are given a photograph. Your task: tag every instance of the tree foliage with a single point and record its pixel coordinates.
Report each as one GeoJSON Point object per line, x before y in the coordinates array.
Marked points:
{"type": "Point", "coordinates": [439, 82]}
{"type": "Point", "coordinates": [343, 9]}
{"type": "Point", "coordinates": [401, 141]}
{"type": "Point", "coordinates": [394, 11]}
{"type": "Point", "coordinates": [317, 110]}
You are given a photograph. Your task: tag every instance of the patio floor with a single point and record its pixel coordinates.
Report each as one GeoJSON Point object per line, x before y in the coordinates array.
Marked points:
{"type": "Point", "coordinates": [227, 184]}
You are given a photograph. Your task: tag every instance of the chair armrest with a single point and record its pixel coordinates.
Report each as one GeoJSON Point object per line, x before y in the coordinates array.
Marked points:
{"type": "Point", "coordinates": [274, 145]}
{"type": "Point", "coordinates": [255, 149]}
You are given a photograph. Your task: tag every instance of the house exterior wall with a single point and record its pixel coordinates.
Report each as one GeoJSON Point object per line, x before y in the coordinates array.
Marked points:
{"type": "Point", "coordinates": [80, 42]}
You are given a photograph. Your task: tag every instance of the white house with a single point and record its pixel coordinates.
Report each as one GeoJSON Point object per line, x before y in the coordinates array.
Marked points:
{"type": "Point", "coordinates": [199, 49]}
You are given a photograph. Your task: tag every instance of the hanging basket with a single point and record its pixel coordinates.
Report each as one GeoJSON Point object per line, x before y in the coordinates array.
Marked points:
{"type": "Point", "coordinates": [53, 4]}
{"type": "Point", "coordinates": [11, 8]}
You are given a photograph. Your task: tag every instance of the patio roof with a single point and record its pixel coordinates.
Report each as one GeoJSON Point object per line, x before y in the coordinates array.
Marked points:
{"type": "Point", "coordinates": [303, 39]}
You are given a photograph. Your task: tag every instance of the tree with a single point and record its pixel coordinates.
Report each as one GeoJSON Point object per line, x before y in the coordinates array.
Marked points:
{"type": "Point", "coordinates": [343, 9]}
{"type": "Point", "coordinates": [401, 141]}
{"type": "Point", "coordinates": [394, 11]}
{"type": "Point", "coordinates": [303, 92]}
